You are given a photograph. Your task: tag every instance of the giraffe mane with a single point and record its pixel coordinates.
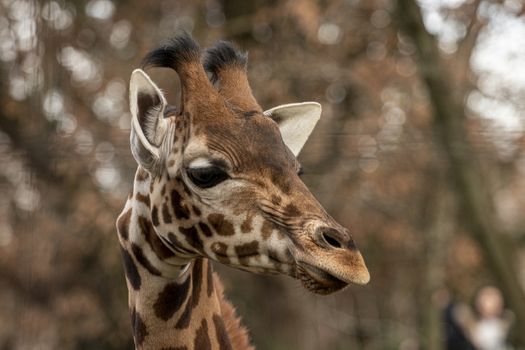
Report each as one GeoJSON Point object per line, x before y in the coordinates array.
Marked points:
{"type": "Point", "coordinates": [237, 333]}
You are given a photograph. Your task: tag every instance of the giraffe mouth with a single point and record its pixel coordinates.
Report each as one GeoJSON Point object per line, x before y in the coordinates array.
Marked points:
{"type": "Point", "coordinates": [318, 281]}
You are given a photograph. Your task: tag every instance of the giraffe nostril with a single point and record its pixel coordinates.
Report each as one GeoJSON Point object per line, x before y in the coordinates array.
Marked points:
{"type": "Point", "coordinates": [329, 237]}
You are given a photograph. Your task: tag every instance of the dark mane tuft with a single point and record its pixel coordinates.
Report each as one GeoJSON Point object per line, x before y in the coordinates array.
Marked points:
{"type": "Point", "coordinates": [223, 54]}
{"type": "Point", "coordinates": [173, 53]}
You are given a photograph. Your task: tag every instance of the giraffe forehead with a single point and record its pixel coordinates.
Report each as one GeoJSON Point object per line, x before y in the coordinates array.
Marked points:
{"type": "Point", "coordinates": [250, 143]}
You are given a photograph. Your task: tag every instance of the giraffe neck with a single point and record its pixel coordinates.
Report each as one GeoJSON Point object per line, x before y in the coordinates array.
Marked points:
{"type": "Point", "coordinates": [174, 302]}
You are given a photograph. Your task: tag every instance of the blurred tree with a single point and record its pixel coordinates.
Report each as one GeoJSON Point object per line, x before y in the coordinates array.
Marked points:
{"type": "Point", "coordinates": [467, 175]}
{"type": "Point", "coordinates": [420, 152]}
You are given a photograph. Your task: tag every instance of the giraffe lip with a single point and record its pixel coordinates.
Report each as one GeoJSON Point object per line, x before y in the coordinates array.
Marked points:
{"type": "Point", "coordinates": [317, 280]}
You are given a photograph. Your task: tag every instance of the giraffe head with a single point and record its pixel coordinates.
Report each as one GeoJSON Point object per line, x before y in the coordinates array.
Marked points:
{"type": "Point", "coordinates": [224, 178]}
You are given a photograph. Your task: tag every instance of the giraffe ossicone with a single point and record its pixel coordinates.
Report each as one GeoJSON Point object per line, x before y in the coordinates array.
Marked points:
{"type": "Point", "coordinates": [218, 179]}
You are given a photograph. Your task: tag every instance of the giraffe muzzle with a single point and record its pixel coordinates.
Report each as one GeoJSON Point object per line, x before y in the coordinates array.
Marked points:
{"type": "Point", "coordinates": [330, 260]}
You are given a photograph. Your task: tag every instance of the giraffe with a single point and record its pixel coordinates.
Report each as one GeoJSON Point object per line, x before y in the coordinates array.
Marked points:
{"type": "Point", "coordinates": [218, 180]}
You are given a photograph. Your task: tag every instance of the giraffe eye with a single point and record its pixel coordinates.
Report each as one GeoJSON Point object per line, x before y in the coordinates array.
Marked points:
{"type": "Point", "coordinates": [207, 177]}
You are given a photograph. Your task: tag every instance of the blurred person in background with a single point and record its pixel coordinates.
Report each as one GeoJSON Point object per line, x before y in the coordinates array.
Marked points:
{"type": "Point", "coordinates": [486, 327]}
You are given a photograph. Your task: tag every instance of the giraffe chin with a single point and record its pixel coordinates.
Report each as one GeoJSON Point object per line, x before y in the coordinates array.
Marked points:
{"type": "Point", "coordinates": [318, 281]}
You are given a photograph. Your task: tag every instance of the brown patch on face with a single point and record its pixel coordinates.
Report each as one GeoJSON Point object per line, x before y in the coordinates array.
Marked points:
{"type": "Point", "coordinates": [220, 249]}
{"type": "Point", "coordinates": [202, 339]}
{"type": "Point", "coordinates": [196, 210]}
{"type": "Point", "coordinates": [171, 162]}
{"type": "Point", "coordinates": [192, 237]}
{"type": "Point", "coordinates": [154, 241]}
{"type": "Point", "coordinates": [184, 187]}
{"type": "Point", "coordinates": [140, 331]}
{"type": "Point", "coordinates": [266, 229]}
{"type": "Point", "coordinates": [181, 211]}
{"type": "Point", "coordinates": [143, 260]}
{"type": "Point", "coordinates": [247, 250]}
{"type": "Point", "coordinates": [222, 334]}
{"type": "Point", "coordinates": [163, 190]}
{"type": "Point", "coordinates": [142, 198]}
{"type": "Point", "coordinates": [123, 224]}
{"type": "Point", "coordinates": [171, 299]}
{"type": "Point", "coordinates": [151, 186]}
{"type": "Point", "coordinates": [284, 186]}
{"type": "Point", "coordinates": [276, 200]}
{"type": "Point", "coordinates": [166, 216]}
{"type": "Point", "coordinates": [222, 226]}
{"type": "Point", "coordinates": [291, 210]}
{"type": "Point", "coordinates": [155, 216]}
{"type": "Point", "coordinates": [288, 255]}
{"type": "Point", "coordinates": [176, 244]}
{"type": "Point", "coordinates": [142, 175]}
{"type": "Point", "coordinates": [273, 256]}
{"type": "Point", "coordinates": [246, 226]}
{"type": "Point", "coordinates": [205, 229]}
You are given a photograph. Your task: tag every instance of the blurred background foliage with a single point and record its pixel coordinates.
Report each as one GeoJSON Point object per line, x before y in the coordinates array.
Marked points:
{"type": "Point", "coordinates": [420, 152]}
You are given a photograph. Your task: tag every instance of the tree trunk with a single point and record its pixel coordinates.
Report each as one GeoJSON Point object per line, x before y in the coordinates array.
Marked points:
{"type": "Point", "coordinates": [438, 225]}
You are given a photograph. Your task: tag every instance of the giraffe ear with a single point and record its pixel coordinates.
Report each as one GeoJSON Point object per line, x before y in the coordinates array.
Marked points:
{"type": "Point", "coordinates": [296, 122]}
{"type": "Point", "coordinates": [148, 126]}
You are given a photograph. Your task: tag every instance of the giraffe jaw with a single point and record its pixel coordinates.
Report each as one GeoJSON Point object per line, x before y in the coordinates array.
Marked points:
{"type": "Point", "coordinates": [318, 281]}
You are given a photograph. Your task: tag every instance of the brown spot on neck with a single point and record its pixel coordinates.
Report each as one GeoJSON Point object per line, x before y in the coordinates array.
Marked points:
{"type": "Point", "coordinates": [139, 328]}
{"type": "Point", "coordinates": [193, 299]}
{"type": "Point", "coordinates": [197, 277]}
{"type": "Point", "coordinates": [202, 339]}
{"type": "Point", "coordinates": [130, 269]}
{"type": "Point", "coordinates": [123, 224]}
{"type": "Point", "coordinates": [209, 278]}
{"type": "Point", "coordinates": [222, 334]}
{"type": "Point", "coordinates": [143, 260]}
{"type": "Point", "coordinates": [142, 198]}
{"type": "Point", "coordinates": [153, 240]}
{"type": "Point", "coordinates": [141, 175]}
{"type": "Point", "coordinates": [171, 299]}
